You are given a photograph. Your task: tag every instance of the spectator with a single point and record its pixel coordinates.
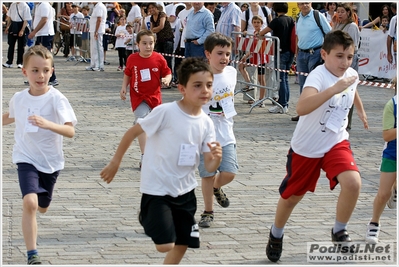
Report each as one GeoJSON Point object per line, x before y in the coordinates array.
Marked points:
{"type": "Point", "coordinates": [76, 18]}
{"type": "Point", "coordinates": [177, 32]}
{"type": "Point", "coordinates": [120, 45]}
{"type": "Point", "coordinates": [331, 9]}
{"type": "Point", "coordinates": [17, 20]}
{"type": "Point", "coordinates": [215, 11]}
{"type": "Point", "coordinates": [199, 26]}
{"type": "Point", "coordinates": [244, 7]}
{"type": "Point", "coordinates": [384, 25]}
{"type": "Point", "coordinates": [64, 17]}
{"type": "Point", "coordinates": [43, 30]}
{"type": "Point", "coordinates": [134, 17]}
{"type": "Point", "coordinates": [85, 33]}
{"type": "Point", "coordinates": [97, 30]}
{"type": "Point", "coordinates": [146, 25]}
{"type": "Point", "coordinates": [392, 41]}
{"type": "Point", "coordinates": [385, 11]}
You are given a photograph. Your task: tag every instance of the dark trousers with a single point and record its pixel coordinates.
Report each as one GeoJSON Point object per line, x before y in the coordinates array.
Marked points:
{"type": "Point", "coordinates": [122, 56]}
{"type": "Point", "coordinates": [165, 47]}
{"type": "Point", "coordinates": [47, 42]}
{"type": "Point", "coordinates": [21, 41]}
{"type": "Point", "coordinates": [178, 60]}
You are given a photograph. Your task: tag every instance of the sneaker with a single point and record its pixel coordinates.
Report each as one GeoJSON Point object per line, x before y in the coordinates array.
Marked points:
{"type": "Point", "coordinates": [221, 197]}
{"type": "Point", "coordinates": [26, 82]}
{"type": "Point", "coordinates": [5, 65]}
{"type": "Point", "coordinates": [247, 89]}
{"type": "Point", "coordinates": [53, 83]}
{"type": "Point", "coordinates": [392, 200]}
{"type": "Point", "coordinates": [277, 109]}
{"type": "Point", "coordinates": [106, 63]}
{"type": "Point", "coordinates": [296, 118]}
{"type": "Point", "coordinates": [35, 259]}
{"type": "Point", "coordinates": [120, 68]}
{"type": "Point", "coordinates": [72, 58]}
{"type": "Point", "coordinates": [274, 248]}
{"type": "Point", "coordinates": [373, 230]}
{"type": "Point", "coordinates": [19, 66]}
{"type": "Point", "coordinates": [261, 105]}
{"type": "Point", "coordinates": [206, 220]}
{"type": "Point", "coordinates": [89, 68]}
{"type": "Point", "coordinates": [340, 236]}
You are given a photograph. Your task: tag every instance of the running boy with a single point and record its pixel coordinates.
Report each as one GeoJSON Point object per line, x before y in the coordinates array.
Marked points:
{"type": "Point", "coordinates": [143, 73]}
{"type": "Point", "coordinates": [177, 133]}
{"type": "Point", "coordinates": [42, 116]}
{"type": "Point", "coordinates": [320, 140]}
{"type": "Point", "coordinates": [221, 110]}
{"type": "Point", "coordinates": [387, 190]}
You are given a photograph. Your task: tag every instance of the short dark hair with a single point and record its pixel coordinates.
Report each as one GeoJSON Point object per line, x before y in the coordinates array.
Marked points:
{"type": "Point", "coordinates": [217, 39]}
{"type": "Point", "coordinates": [143, 33]}
{"type": "Point", "coordinates": [337, 38]}
{"type": "Point", "coordinates": [280, 7]}
{"type": "Point", "coordinates": [189, 66]}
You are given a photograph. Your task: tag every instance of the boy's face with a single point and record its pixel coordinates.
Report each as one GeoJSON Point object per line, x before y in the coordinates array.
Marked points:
{"type": "Point", "coordinates": [129, 30]}
{"type": "Point", "coordinates": [198, 90]}
{"type": "Point", "coordinates": [146, 45]}
{"type": "Point", "coordinates": [384, 21]}
{"type": "Point", "coordinates": [85, 12]}
{"type": "Point", "coordinates": [38, 71]}
{"type": "Point", "coordinates": [338, 60]}
{"type": "Point", "coordinates": [218, 58]}
{"type": "Point", "coordinates": [257, 24]}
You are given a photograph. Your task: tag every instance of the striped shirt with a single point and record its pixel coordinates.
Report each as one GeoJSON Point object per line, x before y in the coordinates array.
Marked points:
{"type": "Point", "coordinates": [229, 19]}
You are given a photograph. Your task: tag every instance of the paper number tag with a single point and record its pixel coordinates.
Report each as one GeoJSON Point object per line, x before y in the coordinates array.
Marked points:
{"type": "Point", "coordinates": [187, 155]}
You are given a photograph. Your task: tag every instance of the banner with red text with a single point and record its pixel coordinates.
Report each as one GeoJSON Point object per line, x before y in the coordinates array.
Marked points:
{"type": "Point", "coordinates": [373, 55]}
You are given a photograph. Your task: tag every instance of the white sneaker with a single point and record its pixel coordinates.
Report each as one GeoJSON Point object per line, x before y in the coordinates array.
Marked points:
{"type": "Point", "coordinates": [5, 65]}
{"type": "Point", "coordinates": [19, 66]}
{"type": "Point", "coordinates": [277, 109]}
{"type": "Point", "coordinates": [372, 233]}
{"type": "Point", "coordinates": [392, 200]}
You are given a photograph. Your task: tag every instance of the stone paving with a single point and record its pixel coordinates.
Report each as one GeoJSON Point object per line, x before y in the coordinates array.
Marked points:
{"type": "Point", "coordinates": [92, 223]}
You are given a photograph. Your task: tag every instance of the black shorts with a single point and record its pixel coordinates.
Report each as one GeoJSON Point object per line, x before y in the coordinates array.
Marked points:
{"type": "Point", "coordinates": [262, 69]}
{"type": "Point", "coordinates": [33, 181]}
{"type": "Point", "coordinates": [78, 40]}
{"type": "Point", "coordinates": [170, 220]}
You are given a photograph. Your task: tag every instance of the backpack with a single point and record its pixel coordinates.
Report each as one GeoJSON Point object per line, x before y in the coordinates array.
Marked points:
{"type": "Point", "coordinates": [265, 13]}
{"type": "Point", "coordinates": [316, 18]}
{"type": "Point", "coordinates": [293, 40]}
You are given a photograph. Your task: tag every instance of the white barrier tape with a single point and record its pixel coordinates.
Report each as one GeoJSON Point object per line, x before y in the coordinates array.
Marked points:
{"type": "Point", "coordinates": [366, 83]}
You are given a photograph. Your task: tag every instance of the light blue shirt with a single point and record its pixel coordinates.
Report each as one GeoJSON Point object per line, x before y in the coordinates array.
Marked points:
{"type": "Point", "coordinates": [229, 19]}
{"type": "Point", "coordinates": [309, 34]}
{"type": "Point", "coordinates": [199, 25]}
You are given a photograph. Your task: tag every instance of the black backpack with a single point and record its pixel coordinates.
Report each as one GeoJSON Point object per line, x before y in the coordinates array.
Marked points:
{"type": "Point", "coordinates": [316, 15]}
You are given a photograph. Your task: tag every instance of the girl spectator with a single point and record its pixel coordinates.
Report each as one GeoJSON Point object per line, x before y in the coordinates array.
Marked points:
{"type": "Point", "coordinates": [64, 17]}
{"type": "Point", "coordinates": [331, 9]}
{"type": "Point", "coordinates": [120, 34]}
{"type": "Point", "coordinates": [244, 7]}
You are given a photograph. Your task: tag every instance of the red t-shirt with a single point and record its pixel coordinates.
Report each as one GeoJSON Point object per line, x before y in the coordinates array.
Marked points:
{"type": "Point", "coordinates": [145, 82]}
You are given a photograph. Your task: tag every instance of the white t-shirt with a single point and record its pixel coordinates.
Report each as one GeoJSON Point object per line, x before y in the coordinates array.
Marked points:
{"type": "Point", "coordinates": [168, 128]}
{"type": "Point", "coordinates": [99, 10]}
{"type": "Point", "coordinates": [120, 41]}
{"type": "Point", "coordinates": [43, 9]}
{"type": "Point", "coordinates": [147, 22]}
{"type": "Point", "coordinates": [42, 149]}
{"type": "Point", "coordinates": [311, 137]}
{"type": "Point", "coordinates": [76, 20]}
{"type": "Point", "coordinates": [183, 20]}
{"type": "Point", "coordinates": [134, 13]}
{"type": "Point", "coordinates": [223, 87]}
{"type": "Point", "coordinates": [250, 27]}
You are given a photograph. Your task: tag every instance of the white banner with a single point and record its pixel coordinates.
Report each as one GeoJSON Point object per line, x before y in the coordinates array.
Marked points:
{"type": "Point", "coordinates": [373, 55]}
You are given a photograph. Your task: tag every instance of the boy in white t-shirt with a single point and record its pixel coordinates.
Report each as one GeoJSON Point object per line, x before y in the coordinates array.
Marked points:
{"type": "Point", "coordinates": [177, 133]}
{"type": "Point", "coordinates": [221, 110]}
{"type": "Point", "coordinates": [42, 116]}
{"type": "Point", "coordinates": [75, 22]}
{"type": "Point", "coordinates": [320, 140]}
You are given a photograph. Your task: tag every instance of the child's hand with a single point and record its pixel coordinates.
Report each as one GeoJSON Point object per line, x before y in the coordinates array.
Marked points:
{"type": "Point", "coordinates": [216, 150]}
{"type": "Point", "coordinates": [363, 118]}
{"type": "Point", "coordinates": [165, 82]}
{"type": "Point", "coordinates": [39, 121]}
{"type": "Point", "coordinates": [123, 93]}
{"type": "Point", "coordinates": [343, 84]}
{"type": "Point", "coordinates": [109, 171]}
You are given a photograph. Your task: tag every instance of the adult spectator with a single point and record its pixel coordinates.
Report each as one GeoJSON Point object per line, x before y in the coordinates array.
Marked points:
{"type": "Point", "coordinates": [330, 12]}
{"type": "Point", "coordinates": [64, 16]}
{"type": "Point", "coordinates": [97, 30]}
{"type": "Point", "coordinates": [230, 20]}
{"type": "Point", "coordinates": [199, 26]}
{"type": "Point", "coordinates": [385, 11]}
{"type": "Point", "coordinates": [215, 11]}
{"type": "Point", "coordinates": [393, 8]}
{"type": "Point", "coordinates": [161, 27]}
{"type": "Point", "coordinates": [310, 39]}
{"type": "Point", "coordinates": [43, 30]}
{"type": "Point", "coordinates": [17, 20]}
{"type": "Point", "coordinates": [392, 41]}
{"type": "Point", "coordinates": [134, 17]}
{"type": "Point", "coordinates": [244, 7]}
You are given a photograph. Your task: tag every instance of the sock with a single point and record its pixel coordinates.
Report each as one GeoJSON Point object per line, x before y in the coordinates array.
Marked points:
{"type": "Point", "coordinates": [208, 212]}
{"type": "Point", "coordinates": [338, 226]}
{"type": "Point", "coordinates": [32, 252]}
{"type": "Point", "coordinates": [277, 232]}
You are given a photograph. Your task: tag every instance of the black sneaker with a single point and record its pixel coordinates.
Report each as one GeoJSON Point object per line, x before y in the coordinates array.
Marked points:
{"type": "Point", "coordinates": [274, 248]}
{"type": "Point", "coordinates": [221, 197]}
{"type": "Point", "coordinates": [340, 236]}
{"type": "Point", "coordinates": [33, 260]}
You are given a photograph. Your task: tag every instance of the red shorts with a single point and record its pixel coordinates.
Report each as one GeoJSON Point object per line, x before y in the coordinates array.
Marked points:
{"type": "Point", "coordinates": [303, 172]}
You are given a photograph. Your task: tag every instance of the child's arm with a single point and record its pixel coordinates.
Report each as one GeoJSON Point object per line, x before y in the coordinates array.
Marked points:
{"type": "Point", "coordinates": [166, 80]}
{"type": "Point", "coordinates": [360, 110]}
{"type": "Point", "coordinates": [109, 171]}
{"type": "Point", "coordinates": [66, 129]}
{"type": "Point", "coordinates": [125, 83]}
{"type": "Point", "coordinates": [213, 158]}
{"type": "Point", "coordinates": [389, 134]}
{"type": "Point", "coordinates": [6, 119]}
{"type": "Point", "coordinates": [310, 98]}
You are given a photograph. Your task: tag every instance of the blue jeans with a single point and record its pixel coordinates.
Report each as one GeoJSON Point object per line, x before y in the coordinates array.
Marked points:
{"type": "Point", "coordinates": [286, 59]}
{"type": "Point", "coordinates": [305, 63]}
{"type": "Point", "coordinates": [193, 50]}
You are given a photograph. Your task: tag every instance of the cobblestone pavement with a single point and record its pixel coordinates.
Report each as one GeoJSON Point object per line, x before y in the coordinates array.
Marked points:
{"type": "Point", "coordinates": [92, 223]}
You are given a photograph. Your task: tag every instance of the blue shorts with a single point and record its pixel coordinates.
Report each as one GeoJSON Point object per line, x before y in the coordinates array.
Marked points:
{"type": "Point", "coordinates": [33, 181]}
{"type": "Point", "coordinates": [228, 164]}
{"type": "Point", "coordinates": [141, 111]}
{"type": "Point", "coordinates": [169, 219]}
